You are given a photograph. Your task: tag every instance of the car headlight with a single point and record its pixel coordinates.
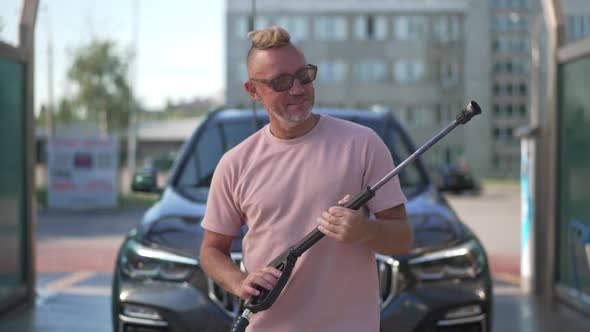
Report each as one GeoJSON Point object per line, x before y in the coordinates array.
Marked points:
{"type": "Point", "coordinates": [141, 262]}
{"type": "Point", "coordinates": [464, 261]}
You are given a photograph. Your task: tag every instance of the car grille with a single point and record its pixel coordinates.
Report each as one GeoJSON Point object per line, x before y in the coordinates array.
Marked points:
{"type": "Point", "coordinates": [226, 301]}
{"type": "Point", "coordinates": [391, 282]}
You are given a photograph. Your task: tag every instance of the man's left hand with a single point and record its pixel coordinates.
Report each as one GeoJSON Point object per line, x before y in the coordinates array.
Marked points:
{"type": "Point", "coordinates": [344, 225]}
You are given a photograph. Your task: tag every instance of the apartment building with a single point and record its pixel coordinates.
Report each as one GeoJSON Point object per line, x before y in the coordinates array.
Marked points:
{"type": "Point", "coordinates": [578, 19]}
{"type": "Point", "coordinates": [511, 66]}
{"type": "Point", "coordinates": [422, 59]}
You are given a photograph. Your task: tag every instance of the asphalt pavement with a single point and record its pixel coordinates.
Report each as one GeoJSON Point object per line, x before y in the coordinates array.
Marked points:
{"type": "Point", "coordinates": [76, 253]}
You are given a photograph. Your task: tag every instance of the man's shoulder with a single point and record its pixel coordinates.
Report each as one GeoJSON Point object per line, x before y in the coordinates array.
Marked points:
{"type": "Point", "coordinates": [348, 127]}
{"type": "Point", "coordinates": [245, 146]}
{"type": "Point", "coordinates": [239, 153]}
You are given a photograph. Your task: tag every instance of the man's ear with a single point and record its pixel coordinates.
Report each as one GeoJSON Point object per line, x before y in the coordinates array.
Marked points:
{"type": "Point", "coordinates": [250, 88]}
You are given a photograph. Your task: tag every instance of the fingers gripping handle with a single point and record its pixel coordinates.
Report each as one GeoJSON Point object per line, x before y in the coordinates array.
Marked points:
{"type": "Point", "coordinates": [283, 263]}
{"type": "Point", "coordinates": [360, 199]}
{"type": "Point", "coordinates": [314, 236]}
{"type": "Point", "coordinates": [286, 261]}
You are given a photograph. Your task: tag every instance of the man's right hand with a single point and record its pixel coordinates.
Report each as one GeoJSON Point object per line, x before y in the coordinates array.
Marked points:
{"type": "Point", "coordinates": [266, 278]}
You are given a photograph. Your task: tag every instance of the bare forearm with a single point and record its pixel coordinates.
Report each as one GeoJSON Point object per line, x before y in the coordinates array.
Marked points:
{"type": "Point", "coordinates": [220, 267]}
{"type": "Point", "coordinates": [389, 237]}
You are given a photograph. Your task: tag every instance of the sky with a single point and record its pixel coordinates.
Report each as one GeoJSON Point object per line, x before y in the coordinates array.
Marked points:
{"type": "Point", "coordinates": [181, 43]}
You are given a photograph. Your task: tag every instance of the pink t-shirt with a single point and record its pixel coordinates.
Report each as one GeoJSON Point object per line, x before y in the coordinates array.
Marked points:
{"type": "Point", "coordinates": [279, 188]}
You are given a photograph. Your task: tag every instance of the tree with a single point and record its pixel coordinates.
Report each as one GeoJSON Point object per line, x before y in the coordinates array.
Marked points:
{"type": "Point", "coordinates": [99, 76]}
{"type": "Point", "coordinates": [66, 111]}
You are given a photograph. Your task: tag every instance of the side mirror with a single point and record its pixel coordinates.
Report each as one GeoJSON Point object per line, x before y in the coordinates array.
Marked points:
{"type": "Point", "coordinates": [145, 181]}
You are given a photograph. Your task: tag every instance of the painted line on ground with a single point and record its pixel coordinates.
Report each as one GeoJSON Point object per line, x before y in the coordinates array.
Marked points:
{"type": "Point", "coordinates": [88, 290]}
{"type": "Point", "coordinates": [69, 280]}
{"type": "Point", "coordinates": [507, 277]}
{"type": "Point", "coordinates": [58, 286]}
{"type": "Point", "coordinates": [507, 290]}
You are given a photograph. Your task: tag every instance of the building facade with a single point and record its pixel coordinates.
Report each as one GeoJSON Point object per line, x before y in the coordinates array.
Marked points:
{"type": "Point", "coordinates": [423, 59]}
{"type": "Point", "coordinates": [510, 25]}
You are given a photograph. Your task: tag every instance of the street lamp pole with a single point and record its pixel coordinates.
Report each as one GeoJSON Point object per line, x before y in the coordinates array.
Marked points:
{"type": "Point", "coordinates": [133, 109]}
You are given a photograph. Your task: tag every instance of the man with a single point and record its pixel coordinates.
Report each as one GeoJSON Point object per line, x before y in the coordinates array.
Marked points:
{"type": "Point", "coordinates": [283, 182]}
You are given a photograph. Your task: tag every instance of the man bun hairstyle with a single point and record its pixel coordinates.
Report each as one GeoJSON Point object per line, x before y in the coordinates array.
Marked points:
{"type": "Point", "coordinates": [272, 37]}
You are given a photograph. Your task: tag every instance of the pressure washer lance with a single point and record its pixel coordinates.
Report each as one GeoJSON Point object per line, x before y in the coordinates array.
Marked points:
{"type": "Point", "coordinates": [286, 261]}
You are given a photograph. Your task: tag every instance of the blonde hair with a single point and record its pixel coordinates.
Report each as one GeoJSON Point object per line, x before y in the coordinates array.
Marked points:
{"type": "Point", "coordinates": [271, 37]}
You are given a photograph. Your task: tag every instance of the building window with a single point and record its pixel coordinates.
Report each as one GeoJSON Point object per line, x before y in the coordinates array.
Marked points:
{"type": "Point", "coordinates": [497, 89]}
{"type": "Point", "coordinates": [496, 133]}
{"type": "Point", "coordinates": [514, 66]}
{"type": "Point", "coordinates": [296, 25]}
{"type": "Point", "coordinates": [241, 72]}
{"type": "Point", "coordinates": [332, 71]}
{"type": "Point", "coordinates": [370, 27]}
{"type": "Point", "coordinates": [447, 28]}
{"type": "Point", "coordinates": [578, 27]}
{"type": "Point", "coordinates": [511, 44]}
{"type": "Point", "coordinates": [449, 72]}
{"type": "Point", "coordinates": [522, 111]}
{"type": "Point", "coordinates": [241, 27]}
{"type": "Point", "coordinates": [515, 4]}
{"type": "Point", "coordinates": [509, 89]}
{"type": "Point", "coordinates": [522, 89]}
{"type": "Point", "coordinates": [409, 27]}
{"type": "Point", "coordinates": [509, 110]}
{"type": "Point", "coordinates": [409, 115]}
{"type": "Point", "coordinates": [331, 28]}
{"type": "Point", "coordinates": [512, 22]}
{"type": "Point", "coordinates": [261, 22]}
{"type": "Point", "coordinates": [370, 71]}
{"type": "Point", "coordinates": [408, 70]}
{"type": "Point", "coordinates": [509, 134]}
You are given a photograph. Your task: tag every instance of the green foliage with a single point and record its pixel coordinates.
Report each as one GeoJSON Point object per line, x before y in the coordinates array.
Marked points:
{"type": "Point", "coordinates": [99, 75]}
{"type": "Point", "coordinates": [66, 111]}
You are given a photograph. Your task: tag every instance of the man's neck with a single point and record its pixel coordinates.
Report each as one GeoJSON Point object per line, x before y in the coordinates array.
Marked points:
{"type": "Point", "coordinates": [285, 132]}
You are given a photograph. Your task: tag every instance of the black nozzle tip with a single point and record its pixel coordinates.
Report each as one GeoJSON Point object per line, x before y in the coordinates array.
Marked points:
{"type": "Point", "coordinates": [472, 109]}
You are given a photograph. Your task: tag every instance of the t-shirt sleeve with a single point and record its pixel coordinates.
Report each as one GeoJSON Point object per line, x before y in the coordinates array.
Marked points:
{"type": "Point", "coordinates": [378, 164]}
{"type": "Point", "coordinates": [222, 214]}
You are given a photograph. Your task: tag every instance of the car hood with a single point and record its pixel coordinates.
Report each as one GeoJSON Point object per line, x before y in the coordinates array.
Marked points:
{"type": "Point", "coordinates": [174, 224]}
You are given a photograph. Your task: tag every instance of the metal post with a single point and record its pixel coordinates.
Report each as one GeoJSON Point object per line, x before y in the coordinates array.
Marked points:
{"type": "Point", "coordinates": [50, 101]}
{"type": "Point", "coordinates": [528, 243]}
{"type": "Point", "coordinates": [133, 110]}
{"type": "Point", "coordinates": [529, 247]}
{"type": "Point", "coordinates": [546, 190]}
{"type": "Point", "coordinates": [27, 44]}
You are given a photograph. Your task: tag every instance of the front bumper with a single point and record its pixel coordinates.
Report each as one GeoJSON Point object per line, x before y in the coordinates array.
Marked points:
{"type": "Point", "coordinates": [442, 306]}
{"type": "Point", "coordinates": [182, 307]}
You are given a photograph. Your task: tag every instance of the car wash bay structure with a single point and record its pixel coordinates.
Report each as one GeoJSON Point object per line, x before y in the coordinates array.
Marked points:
{"type": "Point", "coordinates": [17, 276]}
{"type": "Point", "coordinates": [559, 228]}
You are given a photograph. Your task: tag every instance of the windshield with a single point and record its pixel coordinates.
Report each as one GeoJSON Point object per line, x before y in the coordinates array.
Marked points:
{"type": "Point", "coordinates": [216, 138]}
{"type": "Point", "coordinates": [411, 179]}
{"type": "Point", "coordinates": [220, 136]}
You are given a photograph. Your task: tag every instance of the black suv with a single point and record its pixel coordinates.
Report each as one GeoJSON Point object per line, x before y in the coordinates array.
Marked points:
{"type": "Point", "coordinates": [443, 284]}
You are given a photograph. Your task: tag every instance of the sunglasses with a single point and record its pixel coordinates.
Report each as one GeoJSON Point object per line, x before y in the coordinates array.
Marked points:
{"type": "Point", "coordinates": [284, 82]}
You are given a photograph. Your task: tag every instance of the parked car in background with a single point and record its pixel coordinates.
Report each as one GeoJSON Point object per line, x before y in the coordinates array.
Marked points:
{"type": "Point", "coordinates": [443, 284]}
{"type": "Point", "coordinates": [454, 178]}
